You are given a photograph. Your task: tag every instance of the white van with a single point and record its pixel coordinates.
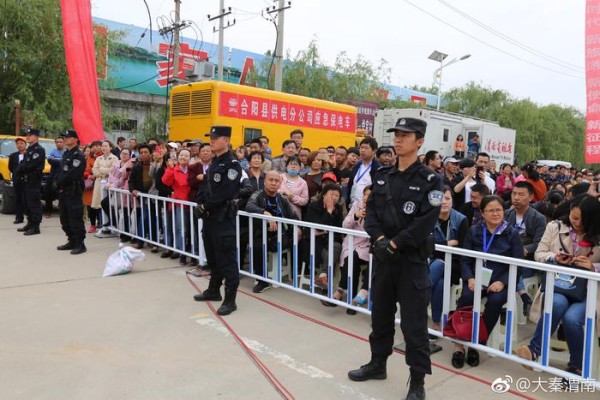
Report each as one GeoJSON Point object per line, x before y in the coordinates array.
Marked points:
{"type": "Point", "coordinates": [552, 163]}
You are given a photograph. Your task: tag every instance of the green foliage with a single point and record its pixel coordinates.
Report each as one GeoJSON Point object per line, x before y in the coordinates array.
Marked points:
{"type": "Point", "coordinates": [32, 65]}
{"type": "Point", "coordinates": [308, 75]}
{"type": "Point", "coordinates": [153, 126]}
{"type": "Point", "coordinates": [551, 132]}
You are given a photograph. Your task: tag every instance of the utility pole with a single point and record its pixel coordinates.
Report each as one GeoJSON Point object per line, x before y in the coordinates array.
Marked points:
{"type": "Point", "coordinates": [279, 48]}
{"type": "Point", "coordinates": [176, 45]}
{"type": "Point", "coordinates": [222, 27]}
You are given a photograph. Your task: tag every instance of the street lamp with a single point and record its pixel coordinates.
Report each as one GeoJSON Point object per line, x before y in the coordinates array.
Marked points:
{"type": "Point", "coordinates": [437, 75]}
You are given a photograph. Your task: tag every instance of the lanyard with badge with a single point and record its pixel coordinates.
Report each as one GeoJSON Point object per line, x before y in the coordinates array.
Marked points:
{"type": "Point", "coordinates": [487, 273]}
{"type": "Point", "coordinates": [358, 177]}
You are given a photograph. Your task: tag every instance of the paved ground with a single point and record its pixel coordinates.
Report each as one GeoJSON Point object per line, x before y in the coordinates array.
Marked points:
{"type": "Point", "coordinates": [67, 333]}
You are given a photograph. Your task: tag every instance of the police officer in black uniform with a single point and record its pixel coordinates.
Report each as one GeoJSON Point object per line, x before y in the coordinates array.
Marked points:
{"type": "Point", "coordinates": [216, 208]}
{"type": "Point", "coordinates": [30, 172]}
{"type": "Point", "coordinates": [68, 183]}
{"type": "Point", "coordinates": [401, 214]}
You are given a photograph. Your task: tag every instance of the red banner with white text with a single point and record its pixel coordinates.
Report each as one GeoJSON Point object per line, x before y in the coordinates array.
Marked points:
{"type": "Point", "coordinates": [592, 72]}
{"type": "Point", "coordinates": [78, 35]}
{"type": "Point", "coordinates": [281, 112]}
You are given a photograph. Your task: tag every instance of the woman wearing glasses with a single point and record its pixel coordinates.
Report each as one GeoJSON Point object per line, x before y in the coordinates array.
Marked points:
{"type": "Point", "coordinates": [493, 236]}
{"type": "Point", "coordinates": [572, 242]}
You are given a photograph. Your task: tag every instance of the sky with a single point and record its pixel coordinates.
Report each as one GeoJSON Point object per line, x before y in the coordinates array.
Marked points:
{"type": "Point", "coordinates": [531, 49]}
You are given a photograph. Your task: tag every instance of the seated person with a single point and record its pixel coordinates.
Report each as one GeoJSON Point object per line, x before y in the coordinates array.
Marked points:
{"type": "Point", "coordinates": [531, 226]}
{"type": "Point", "coordinates": [269, 202]}
{"type": "Point", "coordinates": [325, 211]}
{"type": "Point", "coordinates": [573, 242]}
{"type": "Point", "coordinates": [354, 220]}
{"type": "Point", "coordinates": [493, 236]}
{"type": "Point", "coordinates": [450, 230]}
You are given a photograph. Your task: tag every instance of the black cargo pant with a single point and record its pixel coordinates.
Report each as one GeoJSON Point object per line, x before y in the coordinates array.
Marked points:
{"type": "Point", "coordinates": [70, 208]}
{"type": "Point", "coordinates": [404, 280]}
{"type": "Point", "coordinates": [32, 202]}
{"type": "Point", "coordinates": [220, 246]}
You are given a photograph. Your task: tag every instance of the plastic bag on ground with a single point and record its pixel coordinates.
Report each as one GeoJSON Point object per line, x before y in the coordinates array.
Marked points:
{"type": "Point", "coordinates": [121, 261]}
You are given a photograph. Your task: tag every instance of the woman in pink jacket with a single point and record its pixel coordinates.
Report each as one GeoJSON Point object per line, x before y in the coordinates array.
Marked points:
{"type": "Point", "coordinates": [176, 177]}
{"type": "Point", "coordinates": [118, 179]}
{"type": "Point", "coordinates": [354, 220]}
{"type": "Point", "coordinates": [293, 186]}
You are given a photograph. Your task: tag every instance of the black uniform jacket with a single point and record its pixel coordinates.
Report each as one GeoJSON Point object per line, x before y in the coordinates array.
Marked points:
{"type": "Point", "coordinates": [223, 183]}
{"type": "Point", "coordinates": [416, 195]}
{"type": "Point", "coordinates": [70, 173]}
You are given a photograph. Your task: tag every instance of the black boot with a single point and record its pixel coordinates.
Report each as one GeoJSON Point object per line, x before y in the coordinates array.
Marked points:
{"type": "Point", "coordinates": [416, 390]}
{"type": "Point", "coordinates": [228, 305]}
{"type": "Point", "coordinates": [375, 369]}
{"type": "Point", "coordinates": [79, 248]}
{"type": "Point", "coordinates": [210, 294]}
{"type": "Point", "coordinates": [70, 245]}
{"type": "Point", "coordinates": [33, 230]}
{"type": "Point", "coordinates": [25, 228]}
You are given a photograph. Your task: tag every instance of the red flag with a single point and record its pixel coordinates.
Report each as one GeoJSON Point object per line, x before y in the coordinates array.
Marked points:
{"type": "Point", "coordinates": [81, 65]}
{"type": "Point", "coordinates": [592, 74]}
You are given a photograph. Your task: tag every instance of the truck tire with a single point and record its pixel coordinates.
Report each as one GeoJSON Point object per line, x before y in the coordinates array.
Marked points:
{"type": "Point", "coordinates": [7, 201]}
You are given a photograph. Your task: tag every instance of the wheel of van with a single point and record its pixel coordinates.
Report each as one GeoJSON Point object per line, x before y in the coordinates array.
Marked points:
{"type": "Point", "coordinates": [7, 199]}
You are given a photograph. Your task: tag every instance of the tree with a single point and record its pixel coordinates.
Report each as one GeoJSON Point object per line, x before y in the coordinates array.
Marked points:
{"type": "Point", "coordinates": [33, 68]}
{"type": "Point", "coordinates": [543, 132]}
{"type": "Point", "coordinates": [32, 65]}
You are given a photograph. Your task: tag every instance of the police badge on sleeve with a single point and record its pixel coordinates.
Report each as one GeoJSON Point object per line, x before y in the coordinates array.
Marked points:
{"type": "Point", "coordinates": [435, 198]}
{"type": "Point", "coordinates": [232, 174]}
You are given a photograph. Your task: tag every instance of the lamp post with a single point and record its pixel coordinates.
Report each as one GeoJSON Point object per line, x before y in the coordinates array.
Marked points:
{"type": "Point", "coordinates": [17, 117]}
{"type": "Point", "coordinates": [437, 75]}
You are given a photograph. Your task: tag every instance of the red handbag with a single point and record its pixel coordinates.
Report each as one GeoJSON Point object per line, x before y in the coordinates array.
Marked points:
{"type": "Point", "coordinates": [460, 325]}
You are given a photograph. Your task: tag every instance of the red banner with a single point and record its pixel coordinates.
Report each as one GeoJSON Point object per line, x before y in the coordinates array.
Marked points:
{"type": "Point", "coordinates": [78, 36]}
{"type": "Point", "coordinates": [592, 72]}
{"type": "Point", "coordinates": [281, 112]}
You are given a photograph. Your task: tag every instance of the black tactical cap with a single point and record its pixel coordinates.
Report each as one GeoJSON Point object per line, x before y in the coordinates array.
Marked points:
{"type": "Point", "coordinates": [410, 125]}
{"type": "Point", "coordinates": [70, 133]}
{"type": "Point", "coordinates": [32, 131]}
{"type": "Point", "coordinates": [217, 131]}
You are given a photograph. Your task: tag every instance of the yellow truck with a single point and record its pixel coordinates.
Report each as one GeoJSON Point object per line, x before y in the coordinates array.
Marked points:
{"type": "Point", "coordinates": [254, 112]}
{"type": "Point", "coordinates": [7, 194]}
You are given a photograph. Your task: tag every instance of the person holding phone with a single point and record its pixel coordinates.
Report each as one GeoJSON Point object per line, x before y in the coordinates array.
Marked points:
{"type": "Point", "coordinates": [572, 242]}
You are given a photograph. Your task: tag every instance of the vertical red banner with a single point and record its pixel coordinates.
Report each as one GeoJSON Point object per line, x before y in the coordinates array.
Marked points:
{"type": "Point", "coordinates": [592, 73]}
{"type": "Point", "coordinates": [78, 35]}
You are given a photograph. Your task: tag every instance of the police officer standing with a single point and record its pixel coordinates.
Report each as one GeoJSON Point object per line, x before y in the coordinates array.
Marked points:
{"type": "Point", "coordinates": [68, 183]}
{"type": "Point", "coordinates": [29, 172]}
{"type": "Point", "coordinates": [401, 213]}
{"type": "Point", "coordinates": [216, 208]}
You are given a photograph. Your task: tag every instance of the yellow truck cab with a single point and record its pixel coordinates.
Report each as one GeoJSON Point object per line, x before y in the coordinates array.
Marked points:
{"type": "Point", "coordinates": [7, 147]}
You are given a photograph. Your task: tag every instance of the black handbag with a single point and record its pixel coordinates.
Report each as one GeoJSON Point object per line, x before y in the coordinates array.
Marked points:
{"type": "Point", "coordinates": [572, 287]}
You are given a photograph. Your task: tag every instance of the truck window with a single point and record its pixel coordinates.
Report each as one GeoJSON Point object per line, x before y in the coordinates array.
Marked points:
{"type": "Point", "coordinates": [251, 134]}
{"type": "Point", "coordinates": [446, 134]}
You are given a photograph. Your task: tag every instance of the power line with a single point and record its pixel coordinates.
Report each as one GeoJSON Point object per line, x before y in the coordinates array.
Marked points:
{"type": "Point", "coordinates": [513, 41]}
{"type": "Point", "coordinates": [134, 84]}
{"type": "Point", "coordinates": [491, 45]}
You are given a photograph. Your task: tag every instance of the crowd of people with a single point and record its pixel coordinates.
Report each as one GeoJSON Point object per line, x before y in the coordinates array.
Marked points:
{"type": "Point", "coordinates": [535, 212]}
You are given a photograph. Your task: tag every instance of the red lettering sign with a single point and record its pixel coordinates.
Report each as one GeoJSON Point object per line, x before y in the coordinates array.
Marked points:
{"type": "Point", "coordinates": [281, 112]}
{"type": "Point", "coordinates": [592, 69]}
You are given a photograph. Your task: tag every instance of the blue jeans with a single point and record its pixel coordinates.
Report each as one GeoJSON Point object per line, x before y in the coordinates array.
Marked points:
{"type": "Point", "coordinates": [436, 276]}
{"type": "Point", "coordinates": [181, 224]}
{"type": "Point", "coordinates": [573, 317]}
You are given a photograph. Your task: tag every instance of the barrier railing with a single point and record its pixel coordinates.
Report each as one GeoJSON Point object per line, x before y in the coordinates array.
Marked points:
{"type": "Point", "coordinates": [173, 222]}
